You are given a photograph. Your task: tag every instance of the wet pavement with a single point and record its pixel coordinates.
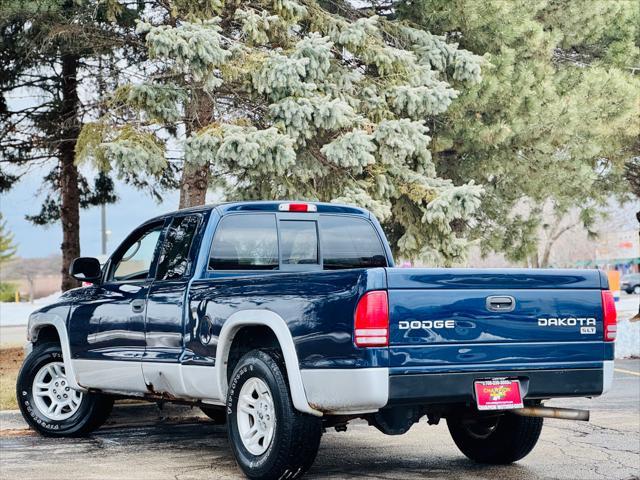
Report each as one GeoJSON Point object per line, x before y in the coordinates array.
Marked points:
{"type": "Point", "coordinates": [141, 442]}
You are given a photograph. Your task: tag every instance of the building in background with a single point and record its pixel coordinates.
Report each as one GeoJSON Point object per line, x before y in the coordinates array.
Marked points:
{"type": "Point", "coordinates": [618, 251]}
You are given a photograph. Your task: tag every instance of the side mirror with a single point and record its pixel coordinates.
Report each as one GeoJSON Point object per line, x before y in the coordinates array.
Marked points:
{"type": "Point", "coordinates": [86, 269]}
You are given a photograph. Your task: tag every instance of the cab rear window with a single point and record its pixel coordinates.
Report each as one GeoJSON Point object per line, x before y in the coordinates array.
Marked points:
{"type": "Point", "coordinates": [350, 242]}
{"type": "Point", "coordinates": [298, 242]}
{"type": "Point", "coordinates": [263, 242]}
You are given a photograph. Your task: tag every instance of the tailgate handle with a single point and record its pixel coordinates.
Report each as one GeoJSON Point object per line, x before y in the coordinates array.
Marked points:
{"type": "Point", "coordinates": [501, 303]}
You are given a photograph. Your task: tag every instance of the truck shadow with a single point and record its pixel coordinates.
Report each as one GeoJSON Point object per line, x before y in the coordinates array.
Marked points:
{"type": "Point", "coordinates": [370, 454]}
{"type": "Point", "coordinates": [362, 453]}
{"type": "Point", "coordinates": [194, 447]}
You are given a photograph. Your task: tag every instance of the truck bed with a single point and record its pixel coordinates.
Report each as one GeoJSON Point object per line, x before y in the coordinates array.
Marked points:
{"type": "Point", "coordinates": [527, 336]}
{"type": "Point", "coordinates": [444, 333]}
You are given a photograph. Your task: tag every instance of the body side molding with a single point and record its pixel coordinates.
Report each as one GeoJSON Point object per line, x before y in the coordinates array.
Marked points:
{"type": "Point", "coordinates": [279, 327]}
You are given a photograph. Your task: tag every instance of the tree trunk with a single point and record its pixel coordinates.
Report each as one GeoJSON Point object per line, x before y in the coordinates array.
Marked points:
{"type": "Point", "coordinates": [546, 255]}
{"type": "Point", "coordinates": [535, 260]}
{"type": "Point", "coordinates": [193, 185]}
{"type": "Point", "coordinates": [69, 192]}
{"type": "Point", "coordinates": [555, 234]}
{"type": "Point", "coordinates": [195, 178]}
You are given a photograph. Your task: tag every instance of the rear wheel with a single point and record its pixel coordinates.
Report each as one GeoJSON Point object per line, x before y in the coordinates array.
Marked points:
{"type": "Point", "coordinates": [497, 440]}
{"type": "Point", "coordinates": [270, 439]}
{"type": "Point", "coordinates": [47, 402]}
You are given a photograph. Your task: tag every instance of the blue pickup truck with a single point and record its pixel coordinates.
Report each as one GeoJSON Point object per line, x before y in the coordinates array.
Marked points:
{"type": "Point", "coordinates": [283, 319]}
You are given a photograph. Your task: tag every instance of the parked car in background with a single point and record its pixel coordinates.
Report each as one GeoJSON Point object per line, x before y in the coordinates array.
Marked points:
{"type": "Point", "coordinates": [631, 283]}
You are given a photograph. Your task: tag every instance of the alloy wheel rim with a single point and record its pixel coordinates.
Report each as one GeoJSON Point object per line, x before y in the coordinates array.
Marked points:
{"type": "Point", "coordinates": [52, 395]}
{"type": "Point", "coordinates": [256, 416]}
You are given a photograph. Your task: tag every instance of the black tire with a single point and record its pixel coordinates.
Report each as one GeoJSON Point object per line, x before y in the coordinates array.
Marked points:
{"type": "Point", "coordinates": [296, 437]}
{"type": "Point", "coordinates": [93, 411]}
{"type": "Point", "coordinates": [217, 414]}
{"type": "Point", "coordinates": [498, 440]}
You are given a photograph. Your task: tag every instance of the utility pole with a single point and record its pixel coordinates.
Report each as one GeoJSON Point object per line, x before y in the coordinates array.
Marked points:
{"type": "Point", "coordinates": [103, 228]}
{"type": "Point", "coordinates": [103, 207]}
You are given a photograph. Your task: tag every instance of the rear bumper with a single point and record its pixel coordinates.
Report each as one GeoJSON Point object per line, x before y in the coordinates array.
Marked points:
{"type": "Point", "coordinates": [439, 388]}
{"type": "Point", "coordinates": [366, 390]}
{"type": "Point", "coordinates": [346, 391]}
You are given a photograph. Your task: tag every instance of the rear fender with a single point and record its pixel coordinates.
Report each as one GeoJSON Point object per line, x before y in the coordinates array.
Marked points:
{"type": "Point", "coordinates": [279, 327]}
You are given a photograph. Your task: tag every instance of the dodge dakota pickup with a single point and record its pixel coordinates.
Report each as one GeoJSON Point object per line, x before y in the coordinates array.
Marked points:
{"type": "Point", "coordinates": [283, 319]}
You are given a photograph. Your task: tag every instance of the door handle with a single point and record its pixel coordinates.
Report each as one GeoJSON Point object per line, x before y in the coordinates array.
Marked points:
{"type": "Point", "coordinates": [501, 303]}
{"type": "Point", "coordinates": [137, 306]}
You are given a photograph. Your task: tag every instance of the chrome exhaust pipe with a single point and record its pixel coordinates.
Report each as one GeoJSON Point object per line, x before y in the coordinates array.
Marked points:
{"type": "Point", "coordinates": [550, 412]}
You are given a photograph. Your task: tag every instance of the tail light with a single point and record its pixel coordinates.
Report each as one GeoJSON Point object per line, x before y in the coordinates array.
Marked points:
{"type": "Point", "coordinates": [371, 323]}
{"type": "Point", "coordinates": [297, 207]}
{"type": "Point", "coordinates": [609, 315]}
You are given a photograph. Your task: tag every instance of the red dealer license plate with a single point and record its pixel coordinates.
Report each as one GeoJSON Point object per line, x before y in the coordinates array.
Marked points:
{"type": "Point", "coordinates": [498, 394]}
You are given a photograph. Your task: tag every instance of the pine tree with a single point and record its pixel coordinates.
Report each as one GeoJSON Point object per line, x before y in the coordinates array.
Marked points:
{"type": "Point", "coordinates": [285, 99]}
{"type": "Point", "coordinates": [553, 121]}
{"type": "Point", "coordinates": [57, 53]}
{"type": "Point", "coordinates": [7, 247]}
{"type": "Point", "coordinates": [632, 174]}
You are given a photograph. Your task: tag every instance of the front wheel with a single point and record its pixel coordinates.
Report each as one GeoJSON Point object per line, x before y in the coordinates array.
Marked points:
{"type": "Point", "coordinates": [47, 402]}
{"type": "Point", "coordinates": [269, 438]}
{"type": "Point", "coordinates": [496, 440]}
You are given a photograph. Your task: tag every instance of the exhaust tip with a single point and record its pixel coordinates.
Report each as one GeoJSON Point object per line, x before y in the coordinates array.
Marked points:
{"type": "Point", "coordinates": [551, 412]}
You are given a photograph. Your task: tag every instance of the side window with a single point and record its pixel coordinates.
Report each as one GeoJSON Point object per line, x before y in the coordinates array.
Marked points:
{"type": "Point", "coordinates": [349, 242]}
{"type": "Point", "coordinates": [173, 259]}
{"type": "Point", "coordinates": [299, 242]}
{"type": "Point", "coordinates": [245, 242]}
{"type": "Point", "coordinates": [136, 261]}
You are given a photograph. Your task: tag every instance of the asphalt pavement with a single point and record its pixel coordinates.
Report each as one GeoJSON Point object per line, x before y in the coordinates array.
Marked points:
{"type": "Point", "coordinates": [142, 442]}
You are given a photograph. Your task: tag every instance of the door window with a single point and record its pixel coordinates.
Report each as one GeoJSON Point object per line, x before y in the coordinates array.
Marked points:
{"type": "Point", "coordinates": [245, 242]}
{"type": "Point", "coordinates": [174, 260]}
{"type": "Point", "coordinates": [135, 262]}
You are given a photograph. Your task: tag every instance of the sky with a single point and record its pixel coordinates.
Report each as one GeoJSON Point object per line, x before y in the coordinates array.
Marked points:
{"type": "Point", "coordinates": [25, 198]}
{"type": "Point", "coordinates": [132, 209]}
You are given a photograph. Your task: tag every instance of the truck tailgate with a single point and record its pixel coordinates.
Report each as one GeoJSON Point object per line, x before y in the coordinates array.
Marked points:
{"type": "Point", "coordinates": [463, 319]}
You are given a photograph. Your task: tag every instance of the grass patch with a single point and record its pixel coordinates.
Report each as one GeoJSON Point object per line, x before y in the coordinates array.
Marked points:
{"type": "Point", "coordinates": [10, 362]}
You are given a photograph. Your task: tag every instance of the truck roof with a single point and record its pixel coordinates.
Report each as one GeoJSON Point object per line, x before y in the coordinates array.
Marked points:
{"type": "Point", "coordinates": [269, 206]}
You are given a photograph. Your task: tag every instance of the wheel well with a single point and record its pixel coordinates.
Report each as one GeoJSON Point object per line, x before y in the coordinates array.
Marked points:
{"type": "Point", "coordinates": [47, 334]}
{"type": "Point", "coordinates": [247, 339]}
